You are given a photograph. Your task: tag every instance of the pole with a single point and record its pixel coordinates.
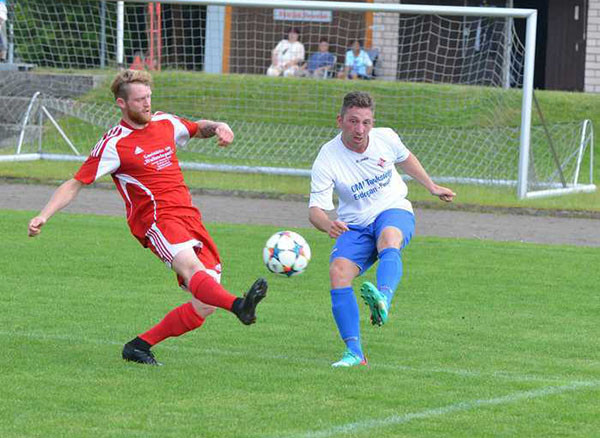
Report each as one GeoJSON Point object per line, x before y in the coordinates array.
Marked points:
{"type": "Point", "coordinates": [525, 137]}
{"type": "Point", "coordinates": [507, 61]}
{"type": "Point", "coordinates": [103, 34]}
{"type": "Point", "coordinates": [158, 36]}
{"type": "Point", "coordinates": [151, 35]}
{"type": "Point", "coordinates": [11, 44]}
{"type": "Point", "coordinates": [120, 33]}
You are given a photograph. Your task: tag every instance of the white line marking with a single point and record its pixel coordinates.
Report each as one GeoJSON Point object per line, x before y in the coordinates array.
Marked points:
{"type": "Point", "coordinates": [506, 375]}
{"type": "Point", "coordinates": [360, 426]}
{"type": "Point", "coordinates": [372, 423]}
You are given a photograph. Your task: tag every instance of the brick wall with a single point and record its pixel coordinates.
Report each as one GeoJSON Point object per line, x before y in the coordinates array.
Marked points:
{"type": "Point", "coordinates": [385, 38]}
{"type": "Point", "coordinates": [592, 54]}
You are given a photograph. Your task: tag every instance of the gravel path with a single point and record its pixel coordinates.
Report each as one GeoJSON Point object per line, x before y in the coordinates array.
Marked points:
{"type": "Point", "coordinates": [283, 214]}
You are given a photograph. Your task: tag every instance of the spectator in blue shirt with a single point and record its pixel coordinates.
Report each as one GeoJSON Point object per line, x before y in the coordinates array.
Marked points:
{"type": "Point", "coordinates": [321, 63]}
{"type": "Point", "coordinates": [358, 64]}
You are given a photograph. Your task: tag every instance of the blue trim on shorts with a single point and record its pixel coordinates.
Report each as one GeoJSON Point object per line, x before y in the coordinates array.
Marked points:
{"type": "Point", "coordinates": [359, 244]}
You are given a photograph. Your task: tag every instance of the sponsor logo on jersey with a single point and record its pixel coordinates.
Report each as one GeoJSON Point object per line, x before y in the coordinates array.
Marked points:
{"type": "Point", "coordinates": [362, 159]}
{"type": "Point", "coordinates": [138, 150]}
{"type": "Point", "coordinates": [160, 158]}
{"type": "Point", "coordinates": [369, 186]}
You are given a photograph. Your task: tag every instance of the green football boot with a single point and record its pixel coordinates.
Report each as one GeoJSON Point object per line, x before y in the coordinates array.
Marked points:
{"type": "Point", "coordinates": [376, 302]}
{"type": "Point", "coordinates": [349, 359]}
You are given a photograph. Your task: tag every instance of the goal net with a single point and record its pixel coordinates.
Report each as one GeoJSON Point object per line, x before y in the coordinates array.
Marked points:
{"type": "Point", "coordinates": [452, 81]}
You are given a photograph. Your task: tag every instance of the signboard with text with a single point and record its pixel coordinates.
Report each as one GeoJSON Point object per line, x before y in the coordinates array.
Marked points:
{"type": "Point", "coordinates": [302, 15]}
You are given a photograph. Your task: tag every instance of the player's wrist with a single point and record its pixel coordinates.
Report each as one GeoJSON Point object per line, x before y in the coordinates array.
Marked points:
{"type": "Point", "coordinates": [43, 216]}
{"type": "Point", "coordinates": [432, 188]}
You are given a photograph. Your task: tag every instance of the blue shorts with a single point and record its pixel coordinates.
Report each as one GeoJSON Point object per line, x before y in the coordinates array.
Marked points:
{"type": "Point", "coordinates": [359, 244]}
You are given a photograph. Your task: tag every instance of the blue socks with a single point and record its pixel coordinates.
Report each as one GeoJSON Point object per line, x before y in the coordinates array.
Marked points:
{"type": "Point", "coordinates": [389, 272]}
{"type": "Point", "coordinates": [345, 312]}
{"type": "Point", "coordinates": [345, 307]}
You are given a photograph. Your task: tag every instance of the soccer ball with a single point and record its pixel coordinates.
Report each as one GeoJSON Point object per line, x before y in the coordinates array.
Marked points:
{"type": "Point", "coordinates": [286, 253]}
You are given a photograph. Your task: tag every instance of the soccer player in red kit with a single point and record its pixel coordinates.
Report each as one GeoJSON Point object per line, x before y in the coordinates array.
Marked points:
{"type": "Point", "coordinates": [139, 153]}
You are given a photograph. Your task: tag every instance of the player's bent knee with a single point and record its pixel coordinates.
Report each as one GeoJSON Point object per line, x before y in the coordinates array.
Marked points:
{"type": "Point", "coordinates": [391, 237]}
{"type": "Point", "coordinates": [186, 264]}
{"type": "Point", "coordinates": [342, 272]}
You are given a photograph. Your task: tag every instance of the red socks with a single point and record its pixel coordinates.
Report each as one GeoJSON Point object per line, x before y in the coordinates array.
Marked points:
{"type": "Point", "coordinates": [184, 318]}
{"type": "Point", "coordinates": [178, 321]}
{"type": "Point", "coordinates": [206, 289]}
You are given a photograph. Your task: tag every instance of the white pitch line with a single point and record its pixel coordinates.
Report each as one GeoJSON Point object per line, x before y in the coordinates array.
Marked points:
{"type": "Point", "coordinates": [392, 420]}
{"type": "Point", "coordinates": [506, 375]}
{"type": "Point", "coordinates": [373, 423]}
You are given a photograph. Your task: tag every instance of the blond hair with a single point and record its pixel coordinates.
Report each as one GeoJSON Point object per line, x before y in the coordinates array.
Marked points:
{"type": "Point", "coordinates": [121, 82]}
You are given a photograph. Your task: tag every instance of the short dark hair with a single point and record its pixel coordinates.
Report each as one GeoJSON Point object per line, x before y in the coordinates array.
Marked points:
{"type": "Point", "coordinates": [357, 99]}
{"type": "Point", "coordinates": [294, 30]}
{"type": "Point", "coordinates": [324, 40]}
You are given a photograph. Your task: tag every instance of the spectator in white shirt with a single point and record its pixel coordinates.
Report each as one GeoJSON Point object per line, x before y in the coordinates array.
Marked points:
{"type": "Point", "coordinates": [287, 56]}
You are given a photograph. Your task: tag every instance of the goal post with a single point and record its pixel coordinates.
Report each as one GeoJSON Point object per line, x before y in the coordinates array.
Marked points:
{"type": "Point", "coordinates": [456, 82]}
{"type": "Point", "coordinates": [530, 15]}
{"type": "Point", "coordinates": [525, 138]}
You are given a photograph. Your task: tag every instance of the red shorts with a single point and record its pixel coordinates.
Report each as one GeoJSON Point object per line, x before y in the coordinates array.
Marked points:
{"type": "Point", "coordinates": [168, 236]}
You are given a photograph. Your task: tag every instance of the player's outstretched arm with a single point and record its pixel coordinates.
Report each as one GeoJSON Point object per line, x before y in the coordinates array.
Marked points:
{"type": "Point", "coordinates": [61, 197]}
{"type": "Point", "coordinates": [321, 222]}
{"type": "Point", "coordinates": [208, 128]}
{"type": "Point", "coordinates": [412, 167]}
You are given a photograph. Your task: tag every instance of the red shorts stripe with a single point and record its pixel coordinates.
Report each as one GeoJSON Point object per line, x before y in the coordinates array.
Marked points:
{"type": "Point", "coordinates": [168, 236]}
{"type": "Point", "coordinates": [161, 247]}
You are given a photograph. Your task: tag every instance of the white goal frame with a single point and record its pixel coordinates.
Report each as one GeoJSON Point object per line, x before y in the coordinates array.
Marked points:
{"type": "Point", "coordinates": [530, 15]}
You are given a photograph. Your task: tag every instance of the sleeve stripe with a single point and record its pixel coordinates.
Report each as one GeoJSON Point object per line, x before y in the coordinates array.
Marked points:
{"type": "Point", "coordinates": [99, 148]}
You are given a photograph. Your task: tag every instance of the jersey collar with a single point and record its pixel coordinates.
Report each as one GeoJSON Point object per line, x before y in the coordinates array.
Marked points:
{"type": "Point", "coordinates": [128, 126]}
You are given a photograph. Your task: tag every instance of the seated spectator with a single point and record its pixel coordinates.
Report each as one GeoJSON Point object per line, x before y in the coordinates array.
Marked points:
{"type": "Point", "coordinates": [287, 55]}
{"type": "Point", "coordinates": [358, 64]}
{"type": "Point", "coordinates": [321, 64]}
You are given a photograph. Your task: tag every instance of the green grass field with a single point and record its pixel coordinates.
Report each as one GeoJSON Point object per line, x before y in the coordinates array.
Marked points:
{"type": "Point", "coordinates": [485, 339]}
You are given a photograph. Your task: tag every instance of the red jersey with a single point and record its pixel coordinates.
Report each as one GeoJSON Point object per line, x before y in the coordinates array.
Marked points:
{"type": "Point", "coordinates": [145, 169]}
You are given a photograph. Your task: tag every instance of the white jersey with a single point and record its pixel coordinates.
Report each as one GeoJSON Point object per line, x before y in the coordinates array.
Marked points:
{"type": "Point", "coordinates": [367, 184]}
{"type": "Point", "coordinates": [286, 51]}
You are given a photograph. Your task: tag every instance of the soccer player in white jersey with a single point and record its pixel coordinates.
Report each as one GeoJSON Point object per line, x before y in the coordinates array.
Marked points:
{"type": "Point", "coordinates": [140, 155]}
{"type": "Point", "coordinates": [375, 220]}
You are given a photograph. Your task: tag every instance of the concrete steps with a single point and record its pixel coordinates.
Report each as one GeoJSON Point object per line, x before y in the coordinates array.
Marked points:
{"type": "Point", "coordinates": [58, 85]}
{"type": "Point", "coordinates": [18, 87]}
{"type": "Point", "coordinates": [12, 108]}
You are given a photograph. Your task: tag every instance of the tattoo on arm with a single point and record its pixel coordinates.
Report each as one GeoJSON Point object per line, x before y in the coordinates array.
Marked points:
{"type": "Point", "coordinates": [208, 129]}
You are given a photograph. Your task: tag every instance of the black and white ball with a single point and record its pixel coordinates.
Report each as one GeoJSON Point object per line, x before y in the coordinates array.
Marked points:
{"type": "Point", "coordinates": [286, 253]}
